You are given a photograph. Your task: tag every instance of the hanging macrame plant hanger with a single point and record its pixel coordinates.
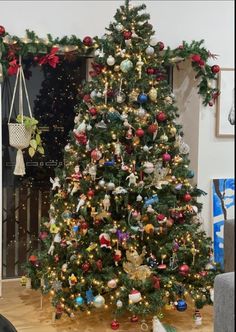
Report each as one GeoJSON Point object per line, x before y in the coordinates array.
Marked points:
{"type": "Point", "coordinates": [19, 135]}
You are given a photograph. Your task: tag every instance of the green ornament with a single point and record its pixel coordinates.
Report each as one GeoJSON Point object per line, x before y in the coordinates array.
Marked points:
{"type": "Point", "coordinates": [126, 66]}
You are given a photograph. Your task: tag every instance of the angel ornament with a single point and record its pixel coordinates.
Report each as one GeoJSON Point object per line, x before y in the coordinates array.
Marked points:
{"type": "Point", "coordinates": [106, 202]}
{"type": "Point", "coordinates": [55, 183]}
{"type": "Point", "coordinates": [132, 179]}
{"type": "Point", "coordinates": [81, 202]}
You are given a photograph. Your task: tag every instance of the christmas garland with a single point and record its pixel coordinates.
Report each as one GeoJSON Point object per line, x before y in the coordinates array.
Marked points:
{"type": "Point", "coordinates": [46, 50]}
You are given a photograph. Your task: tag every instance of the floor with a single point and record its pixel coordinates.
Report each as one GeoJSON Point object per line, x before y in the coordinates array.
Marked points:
{"type": "Point", "coordinates": [22, 307]}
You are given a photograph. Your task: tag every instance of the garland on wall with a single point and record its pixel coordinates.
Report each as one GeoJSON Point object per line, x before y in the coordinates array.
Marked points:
{"type": "Point", "coordinates": [47, 51]}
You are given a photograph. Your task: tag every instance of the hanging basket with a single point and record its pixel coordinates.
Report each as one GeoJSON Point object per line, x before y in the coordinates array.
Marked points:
{"type": "Point", "coordinates": [19, 135]}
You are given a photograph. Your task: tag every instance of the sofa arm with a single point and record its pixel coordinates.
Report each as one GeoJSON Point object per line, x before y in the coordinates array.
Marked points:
{"type": "Point", "coordinates": [224, 303]}
{"type": "Point", "coordinates": [229, 251]}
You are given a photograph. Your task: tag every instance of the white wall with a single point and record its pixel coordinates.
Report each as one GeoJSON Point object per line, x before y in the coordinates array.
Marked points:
{"type": "Point", "coordinates": [173, 21]}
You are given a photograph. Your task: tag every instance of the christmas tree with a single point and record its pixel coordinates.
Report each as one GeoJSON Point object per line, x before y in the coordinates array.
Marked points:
{"type": "Point", "coordinates": [123, 228]}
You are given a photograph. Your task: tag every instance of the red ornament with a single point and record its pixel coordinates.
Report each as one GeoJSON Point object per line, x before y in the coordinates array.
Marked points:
{"type": "Point", "coordinates": [88, 41]}
{"type": "Point", "coordinates": [99, 264]}
{"type": "Point", "coordinates": [110, 93]}
{"type": "Point", "coordinates": [56, 258]}
{"type": "Point", "coordinates": [84, 225]}
{"type": "Point", "coordinates": [2, 31]}
{"type": "Point", "coordinates": [13, 67]}
{"type": "Point", "coordinates": [96, 154]}
{"type": "Point", "coordinates": [203, 273]}
{"type": "Point", "coordinates": [139, 132]}
{"type": "Point", "coordinates": [150, 71]}
{"type": "Point", "coordinates": [161, 266]}
{"type": "Point", "coordinates": [160, 45]}
{"type": "Point", "coordinates": [160, 217]}
{"type": "Point", "coordinates": [166, 157]}
{"type": "Point", "coordinates": [33, 259]}
{"type": "Point", "coordinates": [184, 270]}
{"type": "Point", "coordinates": [51, 58]}
{"type": "Point", "coordinates": [215, 69]}
{"type": "Point", "coordinates": [187, 197]}
{"type": "Point", "coordinates": [161, 116]}
{"type": "Point", "coordinates": [90, 193]}
{"type": "Point", "coordinates": [156, 282]}
{"type": "Point", "coordinates": [36, 58]}
{"type": "Point", "coordinates": [86, 98]}
{"type": "Point", "coordinates": [152, 128]}
{"type": "Point", "coordinates": [93, 111]}
{"type": "Point", "coordinates": [43, 235]}
{"type": "Point", "coordinates": [105, 241]}
{"type": "Point", "coordinates": [127, 34]}
{"type": "Point", "coordinates": [81, 138]}
{"type": "Point", "coordinates": [117, 256]}
{"type": "Point", "coordinates": [201, 63]}
{"type": "Point", "coordinates": [210, 103]}
{"type": "Point", "coordinates": [115, 325]}
{"type": "Point", "coordinates": [134, 319]}
{"type": "Point", "coordinates": [195, 58]}
{"type": "Point", "coordinates": [86, 266]}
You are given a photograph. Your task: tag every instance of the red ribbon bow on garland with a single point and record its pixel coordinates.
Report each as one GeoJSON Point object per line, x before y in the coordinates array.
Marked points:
{"type": "Point", "coordinates": [52, 59]}
{"type": "Point", "coordinates": [13, 67]}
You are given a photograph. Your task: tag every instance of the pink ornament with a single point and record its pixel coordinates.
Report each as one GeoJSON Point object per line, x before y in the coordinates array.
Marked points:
{"type": "Point", "coordinates": [166, 157]}
{"type": "Point", "coordinates": [96, 154]}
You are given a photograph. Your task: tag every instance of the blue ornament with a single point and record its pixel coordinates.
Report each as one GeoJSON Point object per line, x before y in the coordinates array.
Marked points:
{"type": "Point", "coordinates": [109, 163]}
{"type": "Point", "coordinates": [181, 305]}
{"type": "Point", "coordinates": [150, 201]}
{"type": "Point", "coordinates": [66, 214]}
{"type": "Point", "coordinates": [75, 228]}
{"type": "Point", "coordinates": [89, 296]}
{"type": "Point", "coordinates": [142, 98]}
{"type": "Point", "coordinates": [190, 174]}
{"type": "Point", "coordinates": [79, 300]}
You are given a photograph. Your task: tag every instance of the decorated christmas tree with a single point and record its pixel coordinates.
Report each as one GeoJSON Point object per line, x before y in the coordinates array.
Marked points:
{"type": "Point", "coordinates": [123, 228]}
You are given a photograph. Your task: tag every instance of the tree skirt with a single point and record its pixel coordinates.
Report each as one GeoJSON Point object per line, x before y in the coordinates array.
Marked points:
{"type": "Point", "coordinates": [5, 325]}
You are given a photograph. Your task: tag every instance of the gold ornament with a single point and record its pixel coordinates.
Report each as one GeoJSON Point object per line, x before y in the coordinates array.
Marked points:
{"type": "Point", "coordinates": [173, 131]}
{"type": "Point", "coordinates": [139, 65]}
{"type": "Point", "coordinates": [136, 140]}
{"type": "Point", "coordinates": [152, 94]}
{"type": "Point", "coordinates": [133, 96]}
{"type": "Point", "coordinates": [116, 68]}
{"type": "Point", "coordinates": [149, 228]}
{"type": "Point", "coordinates": [133, 267]}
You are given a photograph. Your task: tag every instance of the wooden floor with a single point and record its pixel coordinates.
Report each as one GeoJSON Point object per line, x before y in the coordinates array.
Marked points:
{"type": "Point", "coordinates": [22, 307]}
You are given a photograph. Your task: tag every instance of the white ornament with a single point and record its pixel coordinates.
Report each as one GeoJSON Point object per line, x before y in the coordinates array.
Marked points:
{"type": "Point", "coordinates": [111, 60]}
{"type": "Point", "coordinates": [57, 238]}
{"type": "Point", "coordinates": [92, 170]}
{"type": "Point", "coordinates": [119, 190]}
{"type": "Point", "coordinates": [89, 127]}
{"type": "Point", "coordinates": [149, 50]}
{"type": "Point", "coordinates": [148, 167]}
{"type": "Point", "coordinates": [106, 202]}
{"type": "Point", "coordinates": [135, 296]}
{"type": "Point", "coordinates": [184, 148]}
{"type": "Point", "coordinates": [55, 183]}
{"type": "Point", "coordinates": [81, 202]}
{"type": "Point", "coordinates": [67, 147]}
{"type": "Point", "coordinates": [81, 128]}
{"type": "Point", "coordinates": [164, 138]}
{"type": "Point", "coordinates": [212, 294]}
{"type": "Point", "coordinates": [99, 94]}
{"type": "Point", "coordinates": [119, 27]}
{"type": "Point", "coordinates": [102, 183]}
{"type": "Point", "coordinates": [93, 94]}
{"type": "Point", "coordinates": [110, 185]}
{"type": "Point", "coordinates": [132, 179]}
{"type": "Point", "coordinates": [99, 301]}
{"type": "Point", "coordinates": [119, 304]}
{"type": "Point", "coordinates": [112, 283]}
{"type": "Point", "coordinates": [120, 97]}
{"type": "Point", "coordinates": [146, 148]}
{"type": "Point", "coordinates": [153, 41]}
{"type": "Point", "coordinates": [77, 119]}
{"type": "Point", "coordinates": [141, 112]}
{"type": "Point", "coordinates": [139, 198]}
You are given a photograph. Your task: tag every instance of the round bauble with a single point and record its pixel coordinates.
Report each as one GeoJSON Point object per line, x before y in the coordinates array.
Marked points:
{"type": "Point", "coordinates": [119, 27]}
{"type": "Point", "coordinates": [93, 111]}
{"type": "Point", "coordinates": [119, 304]}
{"type": "Point", "coordinates": [115, 324]}
{"type": "Point", "coordinates": [161, 46]}
{"type": "Point", "coordinates": [150, 71]}
{"type": "Point", "coordinates": [166, 157]}
{"type": "Point", "coordinates": [127, 34]}
{"type": "Point", "coordinates": [184, 270]}
{"type": "Point", "coordinates": [149, 50]}
{"type": "Point", "coordinates": [135, 296]}
{"type": "Point", "coordinates": [88, 41]}
{"type": "Point", "coordinates": [173, 131]}
{"type": "Point", "coordinates": [99, 301]}
{"type": "Point", "coordinates": [184, 148]}
{"type": "Point", "coordinates": [181, 305]}
{"type": "Point", "coordinates": [111, 60]}
{"type": "Point", "coordinates": [141, 112]}
{"type": "Point", "coordinates": [102, 183]}
{"type": "Point", "coordinates": [190, 174]}
{"type": "Point", "coordinates": [96, 154]}
{"type": "Point", "coordinates": [116, 68]}
{"type": "Point", "coordinates": [67, 214]}
{"type": "Point", "coordinates": [153, 41]}
{"type": "Point", "coordinates": [148, 167]}
{"type": "Point", "coordinates": [86, 267]}
{"type": "Point", "coordinates": [195, 58]}
{"type": "Point", "coordinates": [79, 300]}
{"type": "Point", "coordinates": [112, 283]}
{"type": "Point", "coordinates": [126, 66]}
{"type": "Point", "coordinates": [152, 128]}
{"type": "Point", "coordinates": [164, 138]}
{"type": "Point", "coordinates": [215, 69]}
{"type": "Point", "coordinates": [110, 186]}
{"type": "Point", "coordinates": [139, 132]}
{"type": "Point", "coordinates": [149, 228]}
{"type": "Point", "coordinates": [142, 98]}
{"type": "Point", "coordinates": [89, 127]}
{"type": "Point", "coordinates": [86, 98]}
{"type": "Point", "coordinates": [120, 97]}
{"type": "Point", "coordinates": [139, 198]}
{"type": "Point", "coordinates": [2, 31]}
{"type": "Point", "coordinates": [93, 94]}
{"type": "Point", "coordinates": [161, 116]}
{"type": "Point", "coordinates": [187, 197]}
{"type": "Point", "coordinates": [169, 222]}
{"type": "Point", "coordinates": [152, 94]}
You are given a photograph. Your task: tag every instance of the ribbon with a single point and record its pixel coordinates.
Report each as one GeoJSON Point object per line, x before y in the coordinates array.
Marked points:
{"type": "Point", "coordinates": [52, 59]}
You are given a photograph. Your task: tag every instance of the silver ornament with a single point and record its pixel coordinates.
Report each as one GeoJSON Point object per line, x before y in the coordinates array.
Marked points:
{"type": "Point", "coordinates": [141, 112]}
{"type": "Point", "coordinates": [111, 60]}
{"type": "Point", "coordinates": [164, 138]}
{"type": "Point", "coordinates": [139, 198]}
{"type": "Point", "coordinates": [89, 127]}
{"type": "Point", "coordinates": [102, 183]}
{"type": "Point", "coordinates": [145, 148]}
{"type": "Point", "coordinates": [119, 304]}
{"type": "Point", "coordinates": [119, 27]}
{"type": "Point", "coordinates": [93, 94]}
{"type": "Point", "coordinates": [184, 148]}
{"type": "Point", "coordinates": [99, 94]}
{"type": "Point", "coordinates": [153, 41]}
{"type": "Point", "coordinates": [126, 66]}
{"type": "Point", "coordinates": [149, 50]}
{"type": "Point", "coordinates": [110, 186]}
{"type": "Point", "coordinates": [120, 97]}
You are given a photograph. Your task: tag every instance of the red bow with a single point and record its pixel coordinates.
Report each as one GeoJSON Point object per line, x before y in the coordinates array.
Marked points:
{"type": "Point", "coordinates": [52, 59]}
{"type": "Point", "coordinates": [13, 67]}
